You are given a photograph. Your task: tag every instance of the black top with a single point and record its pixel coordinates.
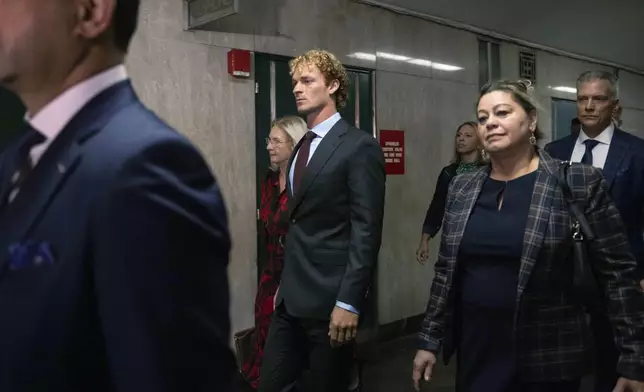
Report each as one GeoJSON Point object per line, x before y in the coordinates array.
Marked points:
{"type": "Point", "coordinates": [434, 216]}
{"type": "Point", "coordinates": [490, 250]}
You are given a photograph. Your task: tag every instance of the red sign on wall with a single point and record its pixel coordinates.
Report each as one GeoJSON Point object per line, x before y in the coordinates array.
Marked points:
{"type": "Point", "coordinates": [393, 146]}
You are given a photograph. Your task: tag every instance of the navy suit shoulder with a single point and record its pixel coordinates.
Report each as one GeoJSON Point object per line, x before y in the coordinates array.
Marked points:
{"type": "Point", "coordinates": [161, 225]}
{"type": "Point", "coordinates": [136, 295]}
{"type": "Point", "coordinates": [636, 142]}
{"type": "Point", "coordinates": [566, 140]}
{"type": "Point", "coordinates": [561, 148]}
{"type": "Point", "coordinates": [131, 131]}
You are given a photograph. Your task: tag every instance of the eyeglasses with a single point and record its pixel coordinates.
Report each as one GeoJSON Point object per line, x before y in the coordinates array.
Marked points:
{"type": "Point", "coordinates": [270, 141]}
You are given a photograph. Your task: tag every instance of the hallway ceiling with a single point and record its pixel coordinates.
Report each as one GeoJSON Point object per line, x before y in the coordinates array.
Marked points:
{"type": "Point", "coordinates": [611, 31]}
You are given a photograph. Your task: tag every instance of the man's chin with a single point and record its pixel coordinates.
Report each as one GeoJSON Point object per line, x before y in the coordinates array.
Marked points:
{"type": "Point", "coordinates": [304, 111]}
{"type": "Point", "coordinates": [8, 80]}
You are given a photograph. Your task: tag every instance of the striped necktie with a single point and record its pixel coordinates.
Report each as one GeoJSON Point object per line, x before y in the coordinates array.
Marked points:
{"type": "Point", "coordinates": [24, 165]}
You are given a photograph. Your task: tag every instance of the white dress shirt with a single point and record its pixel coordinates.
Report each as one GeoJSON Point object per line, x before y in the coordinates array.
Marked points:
{"type": "Point", "coordinates": [320, 130]}
{"type": "Point", "coordinates": [600, 152]}
{"type": "Point", "coordinates": [53, 118]}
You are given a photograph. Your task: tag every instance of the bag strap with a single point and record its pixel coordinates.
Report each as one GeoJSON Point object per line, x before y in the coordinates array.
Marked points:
{"type": "Point", "coordinates": [581, 226]}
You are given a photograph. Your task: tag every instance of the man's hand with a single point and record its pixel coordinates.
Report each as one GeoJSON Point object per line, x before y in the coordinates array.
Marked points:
{"type": "Point", "coordinates": [343, 327]}
{"type": "Point", "coordinates": [642, 284]}
{"type": "Point", "coordinates": [423, 366]}
{"type": "Point", "coordinates": [624, 385]}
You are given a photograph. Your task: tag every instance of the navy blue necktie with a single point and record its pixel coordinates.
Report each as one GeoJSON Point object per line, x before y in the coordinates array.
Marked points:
{"type": "Point", "coordinates": [587, 159]}
{"type": "Point", "coordinates": [23, 165]}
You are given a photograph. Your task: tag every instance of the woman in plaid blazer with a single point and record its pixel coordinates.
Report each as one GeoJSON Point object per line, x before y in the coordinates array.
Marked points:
{"type": "Point", "coordinates": [501, 294]}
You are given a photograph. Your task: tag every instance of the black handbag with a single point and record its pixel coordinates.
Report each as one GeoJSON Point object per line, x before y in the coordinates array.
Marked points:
{"type": "Point", "coordinates": [244, 341]}
{"type": "Point", "coordinates": [585, 288]}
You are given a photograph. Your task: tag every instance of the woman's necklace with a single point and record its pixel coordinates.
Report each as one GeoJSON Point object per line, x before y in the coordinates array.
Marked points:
{"type": "Point", "coordinates": [465, 167]}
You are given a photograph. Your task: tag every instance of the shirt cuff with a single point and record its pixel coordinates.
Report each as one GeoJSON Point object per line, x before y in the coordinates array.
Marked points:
{"type": "Point", "coordinates": [347, 307]}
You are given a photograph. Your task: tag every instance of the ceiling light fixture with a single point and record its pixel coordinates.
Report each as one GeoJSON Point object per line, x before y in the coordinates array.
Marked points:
{"type": "Point", "coordinates": [445, 67]}
{"type": "Point", "coordinates": [363, 56]}
{"type": "Point", "coordinates": [565, 89]}
{"type": "Point", "coordinates": [397, 57]}
{"type": "Point", "coordinates": [391, 56]}
{"type": "Point", "coordinates": [421, 62]}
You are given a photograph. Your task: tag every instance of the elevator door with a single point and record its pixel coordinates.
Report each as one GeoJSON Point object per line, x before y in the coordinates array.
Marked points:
{"type": "Point", "coordinates": [274, 99]}
{"type": "Point", "coordinates": [563, 111]}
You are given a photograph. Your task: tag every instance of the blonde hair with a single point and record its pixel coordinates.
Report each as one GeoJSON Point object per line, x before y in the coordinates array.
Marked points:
{"type": "Point", "coordinates": [521, 92]}
{"type": "Point", "coordinates": [457, 157]}
{"type": "Point", "coordinates": [294, 127]}
{"type": "Point", "coordinates": [330, 67]}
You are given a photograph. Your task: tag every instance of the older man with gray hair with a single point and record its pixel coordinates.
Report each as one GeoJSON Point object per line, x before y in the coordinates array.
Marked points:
{"type": "Point", "coordinates": [621, 157]}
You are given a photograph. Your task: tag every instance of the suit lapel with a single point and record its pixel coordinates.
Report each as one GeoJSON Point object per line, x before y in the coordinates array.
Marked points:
{"type": "Point", "coordinates": [57, 164]}
{"type": "Point", "coordinates": [320, 157]}
{"type": "Point", "coordinates": [538, 217]}
{"type": "Point", "coordinates": [616, 153]}
{"type": "Point", "coordinates": [568, 148]}
{"type": "Point", "coordinates": [464, 202]}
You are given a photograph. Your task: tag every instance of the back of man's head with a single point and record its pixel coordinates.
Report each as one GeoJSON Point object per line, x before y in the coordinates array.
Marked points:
{"type": "Point", "coordinates": [124, 22]}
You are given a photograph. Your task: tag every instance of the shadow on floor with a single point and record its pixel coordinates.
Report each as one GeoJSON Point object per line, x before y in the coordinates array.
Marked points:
{"type": "Point", "coordinates": [387, 368]}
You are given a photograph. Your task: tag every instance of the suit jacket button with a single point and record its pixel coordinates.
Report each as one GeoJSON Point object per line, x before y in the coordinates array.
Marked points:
{"type": "Point", "coordinates": [293, 221]}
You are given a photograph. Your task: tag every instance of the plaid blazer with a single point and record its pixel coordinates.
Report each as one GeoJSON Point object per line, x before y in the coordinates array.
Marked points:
{"type": "Point", "coordinates": [551, 332]}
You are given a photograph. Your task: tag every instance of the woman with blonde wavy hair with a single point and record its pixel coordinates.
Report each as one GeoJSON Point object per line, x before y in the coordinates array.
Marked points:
{"type": "Point", "coordinates": [285, 133]}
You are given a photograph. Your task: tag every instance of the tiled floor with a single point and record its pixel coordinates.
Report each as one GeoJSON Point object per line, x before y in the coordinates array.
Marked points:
{"type": "Point", "coordinates": [388, 369]}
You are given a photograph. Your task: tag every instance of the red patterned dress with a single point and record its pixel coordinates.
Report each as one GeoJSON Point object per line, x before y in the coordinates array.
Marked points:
{"type": "Point", "coordinates": [274, 214]}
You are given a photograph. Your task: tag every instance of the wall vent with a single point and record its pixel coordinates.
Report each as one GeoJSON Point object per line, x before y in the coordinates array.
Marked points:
{"type": "Point", "coordinates": [528, 66]}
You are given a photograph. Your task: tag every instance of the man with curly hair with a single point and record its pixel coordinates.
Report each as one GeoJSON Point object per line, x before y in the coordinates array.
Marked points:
{"type": "Point", "coordinates": [336, 189]}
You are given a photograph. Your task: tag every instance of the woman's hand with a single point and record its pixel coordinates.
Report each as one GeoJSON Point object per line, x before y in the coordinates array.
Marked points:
{"type": "Point", "coordinates": [423, 367]}
{"type": "Point", "coordinates": [423, 249]}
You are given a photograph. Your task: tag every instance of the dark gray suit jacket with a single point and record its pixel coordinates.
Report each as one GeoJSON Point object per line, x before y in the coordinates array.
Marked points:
{"type": "Point", "coordinates": [333, 241]}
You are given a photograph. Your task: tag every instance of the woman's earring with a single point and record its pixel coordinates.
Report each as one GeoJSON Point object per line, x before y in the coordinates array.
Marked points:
{"type": "Point", "coordinates": [533, 139]}
{"type": "Point", "coordinates": [484, 155]}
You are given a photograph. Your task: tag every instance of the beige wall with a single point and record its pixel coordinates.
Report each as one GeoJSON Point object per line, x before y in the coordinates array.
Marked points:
{"type": "Point", "coordinates": [182, 76]}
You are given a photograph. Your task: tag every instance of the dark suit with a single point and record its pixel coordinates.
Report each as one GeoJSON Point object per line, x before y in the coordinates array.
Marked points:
{"type": "Point", "coordinates": [550, 332]}
{"type": "Point", "coordinates": [331, 251]}
{"type": "Point", "coordinates": [624, 174]}
{"type": "Point", "coordinates": [132, 294]}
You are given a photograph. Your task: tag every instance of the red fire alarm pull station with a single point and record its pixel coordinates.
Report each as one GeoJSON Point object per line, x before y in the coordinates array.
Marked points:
{"type": "Point", "coordinates": [239, 63]}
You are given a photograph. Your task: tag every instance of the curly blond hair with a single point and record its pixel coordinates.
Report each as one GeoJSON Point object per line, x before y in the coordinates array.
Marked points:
{"type": "Point", "coordinates": [330, 67]}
